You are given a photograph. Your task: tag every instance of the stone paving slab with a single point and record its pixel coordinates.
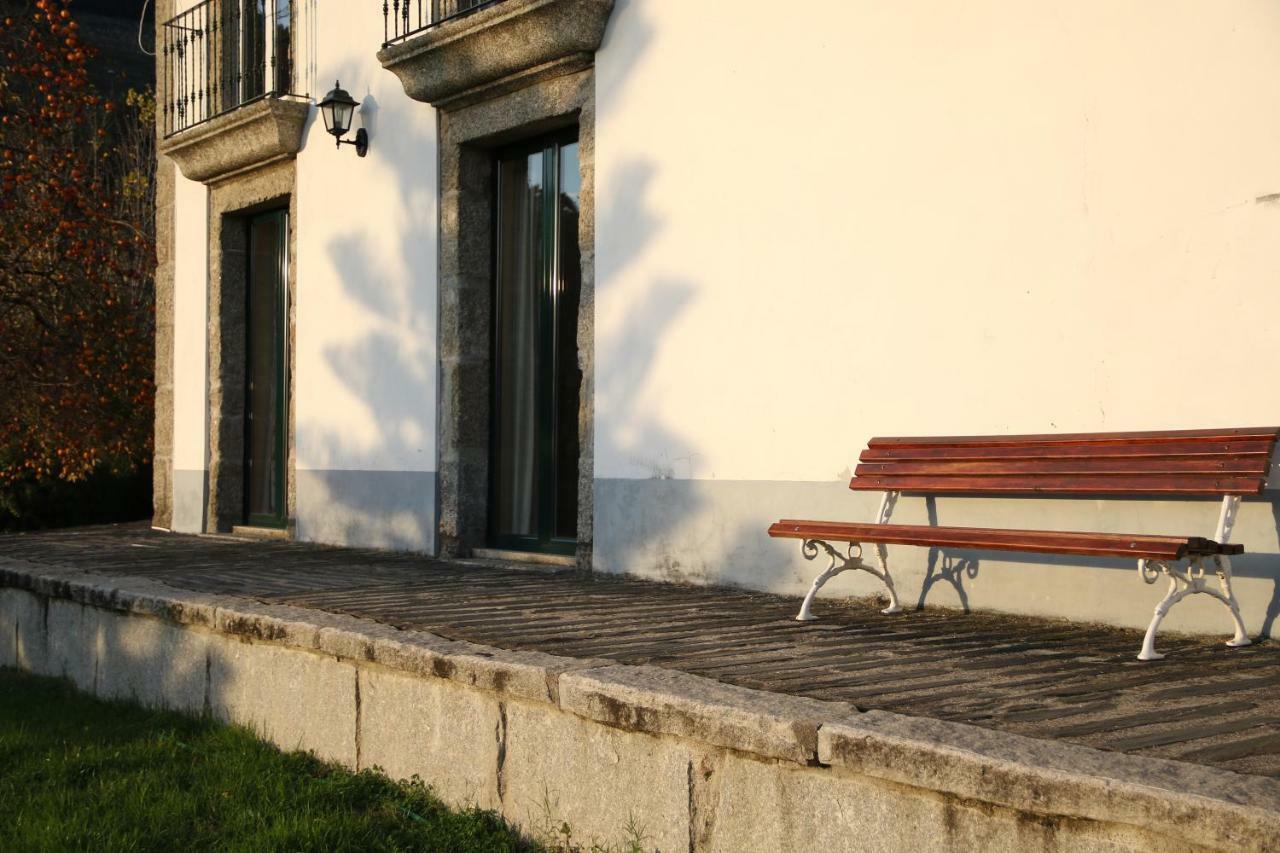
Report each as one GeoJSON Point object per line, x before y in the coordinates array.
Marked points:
{"type": "Point", "coordinates": [1204, 704]}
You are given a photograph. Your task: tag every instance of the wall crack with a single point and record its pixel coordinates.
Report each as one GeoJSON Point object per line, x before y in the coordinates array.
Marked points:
{"type": "Point", "coordinates": [501, 734]}
{"type": "Point", "coordinates": [358, 726]}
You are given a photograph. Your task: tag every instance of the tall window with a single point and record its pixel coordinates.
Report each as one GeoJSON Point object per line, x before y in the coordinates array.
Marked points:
{"type": "Point", "coordinates": [536, 378]}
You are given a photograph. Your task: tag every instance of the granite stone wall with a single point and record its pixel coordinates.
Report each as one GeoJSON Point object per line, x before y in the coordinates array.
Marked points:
{"type": "Point", "coordinates": [615, 751]}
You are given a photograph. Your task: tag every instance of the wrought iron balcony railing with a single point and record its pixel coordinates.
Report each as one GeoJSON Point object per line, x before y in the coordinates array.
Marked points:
{"type": "Point", "coordinates": [222, 54]}
{"type": "Point", "coordinates": [404, 18]}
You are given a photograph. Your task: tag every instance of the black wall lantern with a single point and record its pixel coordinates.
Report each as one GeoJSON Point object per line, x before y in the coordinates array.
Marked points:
{"type": "Point", "coordinates": [338, 108]}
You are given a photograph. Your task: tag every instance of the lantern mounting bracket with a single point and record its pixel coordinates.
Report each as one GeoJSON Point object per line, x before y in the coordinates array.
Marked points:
{"type": "Point", "coordinates": [361, 142]}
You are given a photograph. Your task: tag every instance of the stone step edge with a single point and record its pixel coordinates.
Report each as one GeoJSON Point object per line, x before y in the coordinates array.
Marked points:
{"type": "Point", "coordinates": [1200, 805]}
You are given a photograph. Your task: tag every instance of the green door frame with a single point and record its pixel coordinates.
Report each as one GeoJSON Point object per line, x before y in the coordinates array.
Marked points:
{"type": "Point", "coordinates": [281, 373]}
{"type": "Point", "coordinates": [548, 295]}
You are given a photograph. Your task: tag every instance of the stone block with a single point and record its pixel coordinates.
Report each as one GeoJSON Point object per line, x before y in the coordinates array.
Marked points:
{"type": "Point", "coordinates": [90, 590]}
{"type": "Point", "coordinates": [348, 637]}
{"type": "Point", "coordinates": [559, 768]}
{"type": "Point", "coordinates": [59, 582]}
{"type": "Point", "coordinates": [1175, 801]}
{"type": "Point", "coordinates": [73, 643]}
{"type": "Point", "coordinates": [289, 626]}
{"type": "Point", "coordinates": [295, 699]}
{"type": "Point", "coordinates": [664, 701]}
{"type": "Point", "coordinates": [416, 652]}
{"type": "Point", "coordinates": [23, 637]}
{"type": "Point", "coordinates": [524, 674]}
{"type": "Point", "coordinates": [11, 603]}
{"type": "Point", "coordinates": [151, 662]}
{"type": "Point", "coordinates": [446, 735]}
{"type": "Point", "coordinates": [152, 598]}
{"type": "Point", "coordinates": [776, 807]}
{"type": "Point", "coordinates": [162, 470]}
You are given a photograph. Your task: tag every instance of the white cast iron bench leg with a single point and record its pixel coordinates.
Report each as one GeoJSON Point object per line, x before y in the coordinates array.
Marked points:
{"type": "Point", "coordinates": [851, 561]}
{"type": "Point", "coordinates": [1191, 580]}
{"type": "Point", "coordinates": [841, 563]}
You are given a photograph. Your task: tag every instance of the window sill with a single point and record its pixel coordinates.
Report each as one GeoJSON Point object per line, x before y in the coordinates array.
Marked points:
{"type": "Point", "coordinates": [250, 531]}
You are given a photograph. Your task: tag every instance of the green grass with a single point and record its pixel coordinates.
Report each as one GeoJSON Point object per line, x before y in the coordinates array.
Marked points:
{"type": "Point", "coordinates": [77, 773]}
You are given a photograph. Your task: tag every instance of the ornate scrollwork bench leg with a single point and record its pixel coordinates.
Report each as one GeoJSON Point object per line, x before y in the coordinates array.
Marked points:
{"type": "Point", "coordinates": [850, 561]}
{"type": "Point", "coordinates": [1191, 580]}
{"type": "Point", "coordinates": [1184, 582]}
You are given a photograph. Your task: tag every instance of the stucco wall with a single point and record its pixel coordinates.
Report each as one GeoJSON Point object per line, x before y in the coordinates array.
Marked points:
{"type": "Point", "coordinates": [861, 220]}
{"type": "Point", "coordinates": [913, 218]}
{"type": "Point", "coordinates": [190, 308]}
{"type": "Point", "coordinates": [366, 309]}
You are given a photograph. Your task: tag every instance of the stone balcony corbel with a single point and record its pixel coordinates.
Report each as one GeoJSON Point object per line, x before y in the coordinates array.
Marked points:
{"type": "Point", "coordinates": [498, 48]}
{"type": "Point", "coordinates": [248, 137]}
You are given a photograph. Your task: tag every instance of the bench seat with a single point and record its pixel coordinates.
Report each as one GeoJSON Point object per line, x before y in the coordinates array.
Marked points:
{"type": "Point", "coordinates": [1138, 546]}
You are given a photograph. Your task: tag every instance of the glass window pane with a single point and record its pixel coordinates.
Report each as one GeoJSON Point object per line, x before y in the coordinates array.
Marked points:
{"type": "Point", "coordinates": [254, 53]}
{"type": "Point", "coordinates": [519, 280]}
{"type": "Point", "coordinates": [283, 48]}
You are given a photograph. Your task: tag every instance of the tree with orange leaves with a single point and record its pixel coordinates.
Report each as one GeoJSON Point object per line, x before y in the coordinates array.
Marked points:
{"type": "Point", "coordinates": [76, 261]}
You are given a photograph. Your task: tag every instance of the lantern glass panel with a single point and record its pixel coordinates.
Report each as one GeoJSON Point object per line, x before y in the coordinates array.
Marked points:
{"type": "Point", "coordinates": [342, 118]}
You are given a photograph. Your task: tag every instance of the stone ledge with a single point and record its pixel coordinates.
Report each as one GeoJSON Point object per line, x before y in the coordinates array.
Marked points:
{"type": "Point", "coordinates": [497, 49]}
{"type": "Point", "coordinates": [248, 137]}
{"type": "Point", "coordinates": [523, 674]}
{"type": "Point", "coordinates": [665, 701]}
{"type": "Point", "coordinates": [967, 765]}
{"type": "Point", "coordinates": [1200, 805]}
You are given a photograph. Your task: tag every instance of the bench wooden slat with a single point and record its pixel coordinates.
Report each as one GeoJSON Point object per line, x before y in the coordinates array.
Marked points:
{"type": "Point", "coordinates": [1158, 450]}
{"type": "Point", "coordinates": [1231, 434]}
{"type": "Point", "coordinates": [1035, 541]}
{"type": "Point", "coordinates": [1256, 465]}
{"type": "Point", "coordinates": [1126, 484]}
{"type": "Point", "coordinates": [997, 531]}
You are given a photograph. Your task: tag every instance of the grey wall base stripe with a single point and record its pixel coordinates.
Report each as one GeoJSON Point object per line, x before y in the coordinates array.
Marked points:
{"type": "Point", "coordinates": [189, 492]}
{"type": "Point", "coordinates": [724, 768]}
{"type": "Point", "coordinates": [376, 509]}
{"type": "Point", "coordinates": [714, 532]}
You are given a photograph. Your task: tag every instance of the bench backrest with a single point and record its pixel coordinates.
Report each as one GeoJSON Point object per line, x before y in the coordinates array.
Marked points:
{"type": "Point", "coordinates": [1183, 462]}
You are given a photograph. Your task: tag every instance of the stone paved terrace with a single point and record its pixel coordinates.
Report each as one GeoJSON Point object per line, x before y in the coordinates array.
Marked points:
{"type": "Point", "coordinates": [1204, 704]}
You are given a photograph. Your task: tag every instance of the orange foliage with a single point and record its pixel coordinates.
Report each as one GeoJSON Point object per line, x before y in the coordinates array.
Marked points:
{"type": "Point", "coordinates": [76, 259]}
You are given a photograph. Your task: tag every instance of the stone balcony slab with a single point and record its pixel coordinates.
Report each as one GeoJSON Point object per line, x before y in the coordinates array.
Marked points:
{"type": "Point", "coordinates": [496, 49]}
{"type": "Point", "coordinates": [248, 137]}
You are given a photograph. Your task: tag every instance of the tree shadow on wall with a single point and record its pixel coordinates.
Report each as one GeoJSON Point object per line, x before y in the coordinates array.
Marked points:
{"type": "Point", "coordinates": [387, 373]}
{"type": "Point", "coordinates": [370, 484]}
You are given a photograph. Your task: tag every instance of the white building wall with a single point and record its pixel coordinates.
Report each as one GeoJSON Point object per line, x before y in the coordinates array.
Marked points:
{"type": "Point", "coordinates": [860, 218]}
{"type": "Point", "coordinates": [365, 312]}
{"type": "Point", "coordinates": [190, 324]}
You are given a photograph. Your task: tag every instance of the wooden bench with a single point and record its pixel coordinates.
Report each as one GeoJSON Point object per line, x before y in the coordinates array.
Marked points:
{"type": "Point", "coordinates": [1220, 463]}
